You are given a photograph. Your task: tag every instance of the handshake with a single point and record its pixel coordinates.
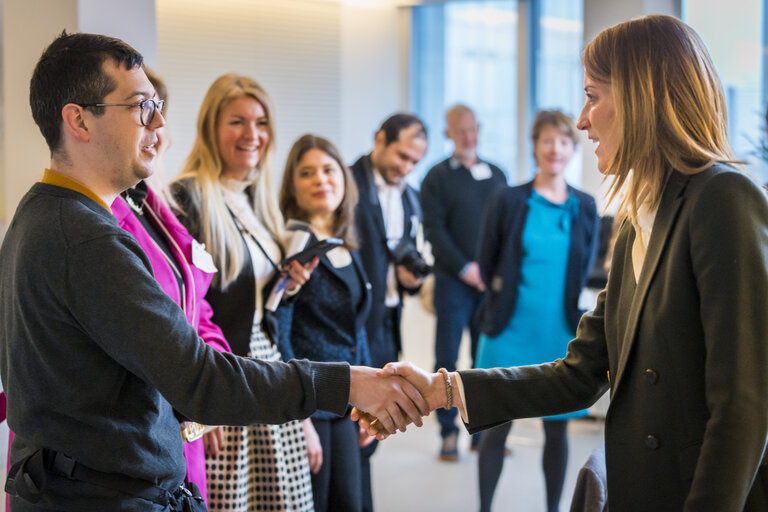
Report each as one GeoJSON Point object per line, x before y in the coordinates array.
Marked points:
{"type": "Point", "coordinates": [387, 400]}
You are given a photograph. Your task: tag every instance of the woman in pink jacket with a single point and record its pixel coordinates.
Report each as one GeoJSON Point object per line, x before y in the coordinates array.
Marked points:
{"type": "Point", "coordinates": [182, 268]}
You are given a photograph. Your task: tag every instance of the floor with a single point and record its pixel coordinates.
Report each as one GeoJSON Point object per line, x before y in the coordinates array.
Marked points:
{"type": "Point", "coordinates": [407, 476]}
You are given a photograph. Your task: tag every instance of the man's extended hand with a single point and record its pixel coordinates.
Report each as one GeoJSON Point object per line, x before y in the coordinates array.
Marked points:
{"type": "Point", "coordinates": [430, 385]}
{"type": "Point", "coordinates": [388, 397]}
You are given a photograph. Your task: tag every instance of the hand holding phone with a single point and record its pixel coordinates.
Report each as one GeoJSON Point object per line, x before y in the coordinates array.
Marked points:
{"type": "Point", "coordinates": [316, 249]}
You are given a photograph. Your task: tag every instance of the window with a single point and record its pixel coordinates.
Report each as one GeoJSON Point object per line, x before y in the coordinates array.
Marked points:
{"type": "Point", "coordinates": [557, 38]}
{"type": "Point", "coordinates": [736, 34]}
{"type": "Point", "coordinates": [467, 53]}
{"type": "Point", "coordinates": [474, 53]}
{"type": "Point", "coordinates": [558, 71]}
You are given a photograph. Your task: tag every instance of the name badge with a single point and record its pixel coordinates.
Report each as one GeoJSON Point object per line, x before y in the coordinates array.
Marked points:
{"type": "Point", "coordinates": [202, 259]}
{"type": "Point", "coordinates": [481, 171]}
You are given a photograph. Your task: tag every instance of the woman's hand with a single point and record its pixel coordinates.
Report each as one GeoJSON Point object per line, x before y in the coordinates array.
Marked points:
{"type": "Point", "coordinates": [407, 279]}
{"type": "Point", "coordinates": [213, 441]}
{"type": "Point", "coordinates": [314, 448]}
{"type": "Point", "coordinates": [299, 274]}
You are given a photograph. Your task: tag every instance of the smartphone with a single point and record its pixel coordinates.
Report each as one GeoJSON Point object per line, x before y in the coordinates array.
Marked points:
{"type": "Point", "coordinates": [309, 252]}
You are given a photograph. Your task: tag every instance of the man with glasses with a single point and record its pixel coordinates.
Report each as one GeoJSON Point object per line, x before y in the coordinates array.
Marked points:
{"type": "Point", "coordinates": [98, 362]}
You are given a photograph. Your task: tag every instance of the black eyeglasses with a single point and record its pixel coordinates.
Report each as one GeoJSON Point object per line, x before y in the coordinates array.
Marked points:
{"type": "Point", "coordinates": [148, 108]}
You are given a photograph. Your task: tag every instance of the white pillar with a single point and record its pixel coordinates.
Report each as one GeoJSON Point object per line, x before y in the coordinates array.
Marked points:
{"type": "Point", "coordinates": [26, 28]}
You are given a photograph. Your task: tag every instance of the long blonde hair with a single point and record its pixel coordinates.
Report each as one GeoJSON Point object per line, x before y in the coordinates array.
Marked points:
{"type": "Point", "coordinates": [669, 104]}
{"type": "Point", "coordinates": [204, 165]}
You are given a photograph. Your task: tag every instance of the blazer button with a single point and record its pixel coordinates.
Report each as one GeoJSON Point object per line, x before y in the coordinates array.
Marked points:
{"type": "Point", "coordinates": [651, 376]}
{"type": "Point", "coordinates": [353, 350]}
{"type": "Point", "coordinates": [652, 442]}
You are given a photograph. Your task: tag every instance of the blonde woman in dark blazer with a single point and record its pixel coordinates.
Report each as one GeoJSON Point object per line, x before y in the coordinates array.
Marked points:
{"type": "Point", "coordinates": [680, 334]}
{"type": "Point", "coordinates": [225, 201]}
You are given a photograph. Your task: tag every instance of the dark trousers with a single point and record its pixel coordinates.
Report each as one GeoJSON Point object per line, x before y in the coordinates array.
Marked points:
{"type": "Point", "coordinates": [455, 305]}
{"type": "Point", "coordinates": [554, 461]}
{"type": "Point", "coordinates": [383, 348]}
{"type": "Point", "coordinates": [337, 486]}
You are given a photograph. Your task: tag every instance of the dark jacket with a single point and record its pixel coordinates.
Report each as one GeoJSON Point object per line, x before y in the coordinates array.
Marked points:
{"type": "Point", "coordinates": [500, 255]}
{"type": "Point", "coordinates": [453, 203]}
{"type": "Point", "coordinates": [371, 233]}
{"type": "Point", "coordinates": [322, 324]}
{"type": "Point", "coordinates": [684, 351]}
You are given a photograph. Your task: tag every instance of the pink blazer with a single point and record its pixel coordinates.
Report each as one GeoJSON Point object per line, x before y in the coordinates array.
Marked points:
{"type": "Point", "coordinates": [196, 283]}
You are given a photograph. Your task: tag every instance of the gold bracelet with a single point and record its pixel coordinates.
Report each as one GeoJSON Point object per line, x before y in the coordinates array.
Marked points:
{"type": "Point", "coordinates": [448, 388]}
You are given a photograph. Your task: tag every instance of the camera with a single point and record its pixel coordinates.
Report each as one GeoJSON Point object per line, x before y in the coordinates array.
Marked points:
{"type": "Point", "coordinates": [406, 254]}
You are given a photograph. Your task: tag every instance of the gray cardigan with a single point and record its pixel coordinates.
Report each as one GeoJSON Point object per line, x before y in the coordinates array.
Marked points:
{"type": "Point", "coordinates": [95, 356]}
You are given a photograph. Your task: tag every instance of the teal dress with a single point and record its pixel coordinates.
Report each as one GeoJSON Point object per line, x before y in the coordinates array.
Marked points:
{"type": "Point", "coordinates": [538, 331]}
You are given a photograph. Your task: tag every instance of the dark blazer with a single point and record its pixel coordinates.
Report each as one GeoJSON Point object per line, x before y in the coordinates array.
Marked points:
{"type": "Point", "coordinates": [373, 239]}
{"type": "Point", "coordinates": [500, 255]}
{"type": "Point", "coordinates": [322, 324]}
{"type": "Point", "coordinates": [684, 352]}
{"type": "Point", "coordinates": [233, 308]}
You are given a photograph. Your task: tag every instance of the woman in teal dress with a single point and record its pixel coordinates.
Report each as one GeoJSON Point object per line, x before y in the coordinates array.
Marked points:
{"type": "Point", "coordinates": [537, 246]}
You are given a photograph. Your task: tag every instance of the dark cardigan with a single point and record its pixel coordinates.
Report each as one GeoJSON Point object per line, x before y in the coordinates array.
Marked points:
{"type": "Point", "coordinates": [500, 252]}
{"type": "Point", "coordinates": [322, 323]}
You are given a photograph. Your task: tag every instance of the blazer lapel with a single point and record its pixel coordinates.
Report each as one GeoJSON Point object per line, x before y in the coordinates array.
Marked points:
{"type": "Point", "coordinates": [324, 261]}
{"type": "Point", "coordinates": [671, 201]}
{"type": "Point", "coordinates": [373, 197]}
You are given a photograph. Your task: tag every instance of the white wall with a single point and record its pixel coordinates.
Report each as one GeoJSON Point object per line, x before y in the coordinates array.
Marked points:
{"type": "Point", "coordinates": [332, 69]}
{"type": "Point", "coordinates": [374, 79]}
{"type": "Point", "coordinates": [134, 22]}
{"type": "Point", "coordinates": [27, 28]}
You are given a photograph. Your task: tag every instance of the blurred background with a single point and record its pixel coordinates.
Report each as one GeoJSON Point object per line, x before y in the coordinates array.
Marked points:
{"type": "Point", "coordinates": [338, 69]}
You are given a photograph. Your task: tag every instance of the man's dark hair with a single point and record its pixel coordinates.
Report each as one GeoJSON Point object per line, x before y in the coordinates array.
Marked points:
{"type": "Point", "coordinates": [70, 71]}
{"type": "Point", "coordinates": [399, 122]}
